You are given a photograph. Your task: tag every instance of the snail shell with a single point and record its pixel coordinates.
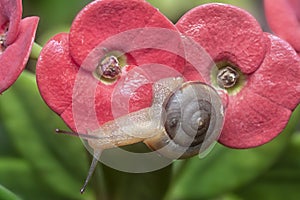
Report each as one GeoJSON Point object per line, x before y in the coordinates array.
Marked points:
{"type": "Point", "coordinates": [185, 119]}
{"type": "Point", "coordinates": [193, 120]}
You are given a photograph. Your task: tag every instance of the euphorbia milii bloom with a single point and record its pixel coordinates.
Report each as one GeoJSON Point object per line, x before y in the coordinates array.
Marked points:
{"type": "Point", "coordinates": [16, 39]}
{"type": "Point", "coordinates": [66, 55]}
{"type": "Point", "coordinates": [261, 72]}
{"type": "Point", "coordinates": [283, 17]}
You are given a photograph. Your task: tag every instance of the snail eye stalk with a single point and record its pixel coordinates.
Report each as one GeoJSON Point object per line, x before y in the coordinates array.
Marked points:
{"type": "Point", "coordinates": [93, 166]}
{"type": "Point", "coordinates": [81, 135]}
{"type": "Point", "coordinates": [96, 155]}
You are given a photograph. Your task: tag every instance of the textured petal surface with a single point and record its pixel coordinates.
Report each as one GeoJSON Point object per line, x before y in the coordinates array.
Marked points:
{"type": "Point", "coordinates": [261, 110]}
{"type": "Point", "coordinates": [284, 19]}
{"type": "Point", "coordinates": [10, 15]}
{"type": "Point", "coordinates": [278, 78]}
{"type": "Point", "coordinates": [64, 74]}
{"type": "Point", "coordinates": [252, 120]}
{"type": "Point", "coordinates": [101, 20]}
{"type": "Point", "coordinates": [191, 74]}
{"type": "Point", "coordinates": [77, 96]}
{"type": "Point", "coordinates": [14, 58]}
{"type": "Point", "coordinates": [227, 33]}
{"type": "Point", "coordinates": [56, 73]}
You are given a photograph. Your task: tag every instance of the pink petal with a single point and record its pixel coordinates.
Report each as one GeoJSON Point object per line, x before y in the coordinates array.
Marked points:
{"type": "Point", "coordinates": [296, 6]}
{"type": "Point", "coordinates": [68, 118]}
{"type": "Point", "coordinates": [252, 120]}
{"type": "Point", "coordinates": [56, 78]}
{"type": "Point", "coordinates": [95, 103]}
{"type": "Point", "coordinates": [10, 14]}
{"type": "Point", "coordinates": [283, 18]}
{"type": "Point", "coordinates": [278, 78]}
{"type": "Point", "coordinates": [111, 104]}
{"type": "Point", "coordinates": [14, 58]}
{"type": "Point", "coordinates": [77, 96]}
{"type": "Point", "coordinates": [101, 20]}
{"type": "Point", "coordinates": [56, 73]}
{"type": "Point", "coordinates": [191, 74]}
{"type": "Point", "coordinates": [227, 33]}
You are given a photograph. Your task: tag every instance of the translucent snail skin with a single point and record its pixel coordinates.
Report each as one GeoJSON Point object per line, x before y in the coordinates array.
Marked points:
{"type": "Point", "coordinates": [185, 119]}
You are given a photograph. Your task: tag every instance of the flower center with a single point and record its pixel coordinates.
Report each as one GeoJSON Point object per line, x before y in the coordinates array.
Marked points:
{"type": "Point", "coordinates": [227, 77]}
{"type": "Point", "coordinates": [2, 43]}
{"type": "Point", "coordinates": [109, 68]}
{"type": "Point", "coordinates": [3, 31]}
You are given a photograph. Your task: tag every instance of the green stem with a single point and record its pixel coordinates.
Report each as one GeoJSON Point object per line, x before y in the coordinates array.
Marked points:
{"type": "Point", "coordinates": [35, 51]}
{"type": "Point", "coordinates": [176, 175]}
{"type": "Point", "coordinates": [100, 185]}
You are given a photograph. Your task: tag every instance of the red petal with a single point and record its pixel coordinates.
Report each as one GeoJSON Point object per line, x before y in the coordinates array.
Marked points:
{"type": "Point", "coordinates": [95, 103]}
{"type": "Point", "coordinates": [14, 58]}
{"type": "Point", "coordinates": [198, 61]}
{"type": "Point", "coordinates": [84, 102]}
{"type": "Point", "coordinates": [252, 120]}
{"type": "Point", "coordinates": [296, 6]}
{"type": "Point", "coordinates": [67, 116]}
{"type": "Point", "coordinates": [65, 88]}
{"type": "Point", "coordinates": [10, 12]}
{"type": "Point", "coordinates": [101, 20]}
{"type": "Point", "coordinates": [227, 33]}
{"type": "Point", "coordinates": [191, 74]}
{"type": "Point", "coordinates": [278, 78]}
{"type": "Point", "coordinates": [283, 18]}
{"type": "Point", "coordinates": [56, 73]}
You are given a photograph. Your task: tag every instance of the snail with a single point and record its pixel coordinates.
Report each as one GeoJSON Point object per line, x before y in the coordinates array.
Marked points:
{"type": "Point", "coordinates": [184, 120]}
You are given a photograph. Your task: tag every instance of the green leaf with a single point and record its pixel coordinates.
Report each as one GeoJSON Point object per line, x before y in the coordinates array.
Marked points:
{"type": "Point", "coordinates": [6, 148]}
{"type": "Point", "coordinates": [18, 175]}
{"type": "Point", "coordinates": [282, 181]}
{"type": "Point", "coordinates": [59, 161]}
{"type": "Point", "coordinates": [174, 9]}
{"type": "Point", "coordinates": [226, 169]}
{"type": "Point", "coordinates": [57, 12]}
{"type": "Point", "coordinates": [5, 194]}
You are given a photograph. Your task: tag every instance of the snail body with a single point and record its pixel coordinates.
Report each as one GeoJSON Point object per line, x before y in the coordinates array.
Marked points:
{"type": "Point", "coordinates": [184, 120]}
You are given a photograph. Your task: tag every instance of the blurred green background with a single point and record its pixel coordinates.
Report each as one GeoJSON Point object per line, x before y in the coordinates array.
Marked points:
{"type": "Point", "coordinates": [36, 164]}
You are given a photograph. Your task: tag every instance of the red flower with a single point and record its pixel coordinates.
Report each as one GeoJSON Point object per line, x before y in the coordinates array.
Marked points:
{"type": "Point", "coordinates": [102, 34]}
{"type": "Point", "coordinates": [16, 39]}
{"type": "Point", "coordinates": [260, 72]}
{"type": "Point", "coordinates": [284, 19]}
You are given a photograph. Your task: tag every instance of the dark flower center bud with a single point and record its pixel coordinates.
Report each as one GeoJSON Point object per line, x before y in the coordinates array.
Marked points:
{"type": "Point", "coordinates": [109, 68]}
{"type": "Point", "coordinates": [2, 43]}
{"type": "Point", "coordinates": [227, 77]}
